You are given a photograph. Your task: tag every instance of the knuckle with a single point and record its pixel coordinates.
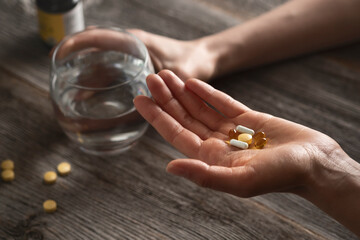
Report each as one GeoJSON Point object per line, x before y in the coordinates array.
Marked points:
{"type": "Point", "coordinates": [165, 72]}
{"type": "Point", "coordinates": [204, 182]}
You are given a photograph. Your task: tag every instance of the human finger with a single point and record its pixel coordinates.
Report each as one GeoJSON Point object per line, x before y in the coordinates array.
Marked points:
{"type": "Point", "coordinates": [233, 180]}
{"type": "Point", "coordinates": [191, 102]}
{"type": "Point", "coordinates": [104, 39]}
{"type": "Point", "coordinates": [184, 140]}
{"type": "Point", "coordinates": [271, 170]}
{"type": "Point", "coordinates": [221, 101]}
{"type": "Point", "coordinates": [165, 99]}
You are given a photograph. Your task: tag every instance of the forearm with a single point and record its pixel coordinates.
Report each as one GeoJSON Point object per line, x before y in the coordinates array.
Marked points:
{"type": "Point", "coordinates": [334, 187]}
{"type": "Point", "coordinates": [295, 28]}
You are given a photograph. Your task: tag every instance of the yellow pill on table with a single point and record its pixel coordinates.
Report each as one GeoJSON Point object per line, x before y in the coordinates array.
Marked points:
{"type": "Point", "coordinates": [49, 206]}
{"type": "Point", "coordinates": [245, 137]}
{"type": "Point", "coordinates": [64, 168]}
{"type": "Point", "coordinates": [260, 143]}
{"type": "Point", "coordinates": [7, 165]}
{"type": "Point", "coordinates": [8, 175]}
{"type": "Point", "coordinates": [50, 177]}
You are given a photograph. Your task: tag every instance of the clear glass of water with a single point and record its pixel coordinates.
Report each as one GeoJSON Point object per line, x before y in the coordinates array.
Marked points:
{"type": "Point", "coordinates": [95, 75]}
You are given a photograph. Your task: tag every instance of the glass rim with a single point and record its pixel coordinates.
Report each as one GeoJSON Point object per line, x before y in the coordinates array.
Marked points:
{"type": "Point", "coordinates": [116, 29]}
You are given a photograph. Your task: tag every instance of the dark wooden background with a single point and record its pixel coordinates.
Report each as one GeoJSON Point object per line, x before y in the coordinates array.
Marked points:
{"type": "Point", "coordinates": [131, 196]}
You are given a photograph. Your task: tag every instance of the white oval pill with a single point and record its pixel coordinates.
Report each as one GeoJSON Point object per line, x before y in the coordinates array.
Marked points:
{"type": "Point", "coordinates": [239, 144]}
{"type": "Point", "coordinates": [243, 129]}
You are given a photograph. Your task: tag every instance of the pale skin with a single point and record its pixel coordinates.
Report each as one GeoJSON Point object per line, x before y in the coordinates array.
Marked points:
{"type": "Point", "coordinates": [297, 27]}
{"type": "Point", "coordinates": [296, 159]}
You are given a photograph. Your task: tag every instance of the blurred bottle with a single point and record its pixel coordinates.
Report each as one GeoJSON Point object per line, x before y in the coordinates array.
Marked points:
{"type": "Point", "coordinates": [58, 18]}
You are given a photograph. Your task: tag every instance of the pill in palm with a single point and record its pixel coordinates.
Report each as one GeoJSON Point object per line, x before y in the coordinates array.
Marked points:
{"type": "Point", "coordinates": [239, 144]}
{"type": "Point", "coordinates": [245, 137]}
{"type": "Point", "coordinates": [233, 134]}
{"type": "Point", "coordinates": [260, 143]}
{"type": "Point", "coordinates": [242, 129]}
{"type": "Point", "coordinates": [258, 136]}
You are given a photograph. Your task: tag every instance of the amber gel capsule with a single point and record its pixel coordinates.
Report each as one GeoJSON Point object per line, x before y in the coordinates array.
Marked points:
{"type": "Point", "coordinates": [258, 136]}
{"type": "Point", "coordinates": [260, 143]}
{"type": "Point", "coordinates": [233, 134]}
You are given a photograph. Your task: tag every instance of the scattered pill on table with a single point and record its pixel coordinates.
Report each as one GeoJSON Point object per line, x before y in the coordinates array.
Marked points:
{"type": "Point", "coordinates": [7, 165]}
{"type": "Point", "coordinates": [64, 168]}
{"type": "Point", "coordinates": [239, 144]}
{"type": "Point", "coordinates": [49, 206]}
{"type": "Point", "coordinates": [8, 175]}
{"type": "Point", "coordinates": [245, 137]}
{"type": "Point", "coordinates": [50, 177]}
{"type": "Point", "coordinates": [242, 129]}
{"type": "Point", "coordinates": [79, 137]}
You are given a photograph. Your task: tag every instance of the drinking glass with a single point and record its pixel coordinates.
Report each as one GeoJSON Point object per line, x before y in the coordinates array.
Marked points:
{"type": "Point", "coordinates": [95, 75]}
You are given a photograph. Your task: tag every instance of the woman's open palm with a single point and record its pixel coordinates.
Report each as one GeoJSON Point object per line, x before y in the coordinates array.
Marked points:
{"type": "Point", "coordinates": [180, 113]}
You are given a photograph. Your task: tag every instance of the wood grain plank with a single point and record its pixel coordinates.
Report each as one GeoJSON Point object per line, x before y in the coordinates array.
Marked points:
{"type": "Point", "coordinates": [242, 9]}
{"type": "Point", "coordinates": [320, 91]}
{"type": "Point", "coordinates": [129, 196]}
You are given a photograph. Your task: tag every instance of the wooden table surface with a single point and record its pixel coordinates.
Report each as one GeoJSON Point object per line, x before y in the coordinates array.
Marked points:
{"type": "Point", "coordinates": [130, 196]}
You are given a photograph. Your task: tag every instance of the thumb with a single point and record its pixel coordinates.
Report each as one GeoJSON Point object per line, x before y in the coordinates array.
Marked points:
{"type": "Point", "coordinates": [233, 180]}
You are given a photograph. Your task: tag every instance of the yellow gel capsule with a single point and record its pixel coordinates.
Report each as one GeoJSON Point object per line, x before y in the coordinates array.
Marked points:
{"type": "Point", "coordinates": [7, 165]}
{"type": "Point", "coordinates": [49, 206]}
{"type": "Point", "coordinates": [64, 168]}
{"type": "Point", "coordinates": [245, 137]}
{"type": "Point", "coordinates": [8, 175]}
{"type": "Point", "coordinates": [258, 136]}
{"type": "Point", "coordinates": [260, 143]}
{"type": "Point", "coordinates": [50, 177]}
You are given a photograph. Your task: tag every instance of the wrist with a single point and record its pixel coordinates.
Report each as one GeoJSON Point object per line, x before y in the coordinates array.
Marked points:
{"type": "Point", "coordinates": [225, 52]}
{"type": "Point", "coordinates": [333, 174]}
{"type": "Point", "coordinates": [334, 187]}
